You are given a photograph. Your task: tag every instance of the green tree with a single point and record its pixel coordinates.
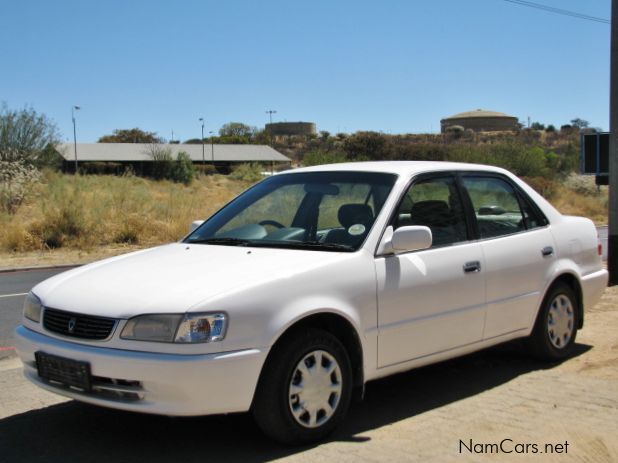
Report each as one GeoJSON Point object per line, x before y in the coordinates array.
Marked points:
{"type": "Point", "coordinates": [579, 123]}
{"type": "Point", "coordinates": [24, 135]}
{"type": "Point", "coordinates": [537, 126]}
{"type": "Point", "coordinates": [237, 129]}
{"type": "Point", "coordinates": [134, 135]}
{"type": "Point", "coordinates": [367, 145]}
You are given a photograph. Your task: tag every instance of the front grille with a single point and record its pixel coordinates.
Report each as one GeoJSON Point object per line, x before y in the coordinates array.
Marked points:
{"type": "Point", "coordinates": [78, 325]}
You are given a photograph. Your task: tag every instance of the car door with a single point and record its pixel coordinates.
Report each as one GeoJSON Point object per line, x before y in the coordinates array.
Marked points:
{"type": "Point", "coordinates": [518, 248]}
{"type": "Point", "coordinates": [432, 300]}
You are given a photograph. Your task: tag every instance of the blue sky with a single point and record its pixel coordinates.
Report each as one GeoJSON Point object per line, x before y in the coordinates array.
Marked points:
{"type": "Point", "coordinates": [392, 65]}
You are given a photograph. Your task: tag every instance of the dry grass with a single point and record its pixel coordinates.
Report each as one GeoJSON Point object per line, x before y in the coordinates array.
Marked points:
{"type": "Point", "coordinates": [578, 195]}
{"type": "Point", "coordinates": [88, 212]}
{"type": "Point", "coordinates": [571, 203]}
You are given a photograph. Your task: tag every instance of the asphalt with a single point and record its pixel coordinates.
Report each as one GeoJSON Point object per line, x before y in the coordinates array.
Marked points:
{"type": "Point", "coordinates": [13, 288]}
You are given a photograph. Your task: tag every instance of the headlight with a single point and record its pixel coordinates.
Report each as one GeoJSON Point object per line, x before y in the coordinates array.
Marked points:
{"type": "Point", "coordinates": [202, 328]}
{"type": "Point", "coordinates": [188, 328]}
{"type": "Point", "coordinates": [32, 307]}
{"type": "Point", "coordinates": [159, 328]}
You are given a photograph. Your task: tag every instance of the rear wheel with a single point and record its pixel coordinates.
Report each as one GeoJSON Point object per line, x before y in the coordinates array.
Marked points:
{"type": "Point", "coordinates": [556, 326]}
{"type": "Point", "coordinates": [305, 388]}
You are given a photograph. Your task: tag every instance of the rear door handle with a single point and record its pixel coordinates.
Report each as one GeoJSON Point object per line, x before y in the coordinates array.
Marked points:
{"type": "Point", "coordinates": [472, 267]}
{"type": "Point", "coordinates": [547, 251]}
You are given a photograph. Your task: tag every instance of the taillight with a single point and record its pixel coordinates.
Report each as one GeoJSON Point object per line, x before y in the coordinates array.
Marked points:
{"type": "Point", "coordinates": [599, 246]}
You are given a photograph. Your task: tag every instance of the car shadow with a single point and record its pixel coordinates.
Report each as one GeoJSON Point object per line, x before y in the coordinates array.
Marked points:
{"type": "Point", "coordinates": [73, 431]}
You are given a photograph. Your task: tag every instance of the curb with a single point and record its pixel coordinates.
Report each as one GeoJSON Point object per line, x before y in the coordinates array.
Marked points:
{"type": "Point", "coordinates": [34, 269]}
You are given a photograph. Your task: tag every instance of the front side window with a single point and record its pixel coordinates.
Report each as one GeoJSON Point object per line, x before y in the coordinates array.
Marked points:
{"type": "Point", "coordinates": [496, 206]}
{"type": "Point", "coordinates": [434, 203]}
{"type": "Point", "coordinates": [317, 210]}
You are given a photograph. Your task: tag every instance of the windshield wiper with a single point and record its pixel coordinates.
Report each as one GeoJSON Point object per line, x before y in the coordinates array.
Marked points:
{"type": "Point", "coordinates": [222, 241]}
{"type": "Point", "coordinates": [306, 245]}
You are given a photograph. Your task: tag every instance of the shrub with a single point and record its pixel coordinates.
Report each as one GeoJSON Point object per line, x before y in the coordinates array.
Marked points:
{"type": "Point", "coordinates": [318, 157]}
{"type": "Point", "coordinates": [581, 184]}
{"type": "Point", "coordinates": [127, 237]}
{"type": "Point", "coordinates": [162, 161]}
{"type": "Point", "coordinates": [64, 212]}
{"type": "Point", "coordinates": [247, 172]}
{"type": "Point", "coordinates": [15, 238]}
{"type": "Point", "coordinates": [58, 225]}
{"type": "Point", "coordinates": [369, 145]}
{"type": "Point", "coordinates": [16, 180]}
{"type": "Point", "coordinates": [183, 170]}
{"type": "Point", "coordinates": [205, 169]}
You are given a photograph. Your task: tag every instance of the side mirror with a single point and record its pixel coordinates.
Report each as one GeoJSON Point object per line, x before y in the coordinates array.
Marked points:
{"type": "Point", "coordinates": [195, 224]}
{"type": "Point", "coordinates": [413, 238]}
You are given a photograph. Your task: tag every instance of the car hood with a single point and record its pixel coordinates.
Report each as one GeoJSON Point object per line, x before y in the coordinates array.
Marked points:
{"type": "Point", "coordinates": [172, 278]}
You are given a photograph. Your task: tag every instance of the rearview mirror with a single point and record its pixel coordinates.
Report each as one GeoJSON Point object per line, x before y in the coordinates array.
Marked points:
{"type": "Point", "coordinates": [322, 188]}
{"type": "Point", "coordinates": [412, 238]}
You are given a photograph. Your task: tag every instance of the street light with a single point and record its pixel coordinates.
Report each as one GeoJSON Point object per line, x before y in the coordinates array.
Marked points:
{"type": "Point", "coordinates": [73, 109]}
{"type": "Point", "coordinates": [203, 155]}
{"type": "Point", "coordinates": [270, 113]}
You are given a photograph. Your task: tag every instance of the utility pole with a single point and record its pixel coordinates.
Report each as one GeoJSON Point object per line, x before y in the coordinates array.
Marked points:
{"type": "Point", "coordinates": [212, 147]}
{"type": "Point", "coordinates": [73, 109]}
{"type": "Point", "coordinates": [270, 113]}
{"type": "Point", "coordinates": [203, 154]}
{"type": "Point", "coordinates": [612, 241]}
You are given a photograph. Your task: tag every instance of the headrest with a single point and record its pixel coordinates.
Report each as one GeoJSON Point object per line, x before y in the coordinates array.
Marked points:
{"type": "Point", "coordinates": [430, 212]}
{"type": "Point", "coordinates": [352, 214]}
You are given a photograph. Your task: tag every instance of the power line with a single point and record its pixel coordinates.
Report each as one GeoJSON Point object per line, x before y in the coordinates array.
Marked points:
{"type": "Point", "coordinates": [551, 9]}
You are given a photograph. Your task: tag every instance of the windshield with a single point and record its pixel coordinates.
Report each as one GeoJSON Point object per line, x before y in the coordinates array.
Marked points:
{"type": "Point", "coordinates": [330, 211]}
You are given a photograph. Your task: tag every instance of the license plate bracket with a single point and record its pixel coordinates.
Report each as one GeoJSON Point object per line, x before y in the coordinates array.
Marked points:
{"type": "Point", "coordinates": [69, 372]}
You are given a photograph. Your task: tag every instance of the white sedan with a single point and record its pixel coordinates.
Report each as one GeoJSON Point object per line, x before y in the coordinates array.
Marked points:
{"type": "Point", "coordinates": [308, 285]}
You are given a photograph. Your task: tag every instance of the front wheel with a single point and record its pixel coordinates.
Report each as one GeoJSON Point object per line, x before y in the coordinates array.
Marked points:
{"type": "Point", "coordinates": [305, 388]}
{"type": "Point", "coordinates": [556, 326]}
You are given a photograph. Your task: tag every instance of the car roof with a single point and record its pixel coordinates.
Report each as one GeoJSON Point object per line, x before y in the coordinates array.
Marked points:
{"type": "Point", "coordinates": [405, 168]}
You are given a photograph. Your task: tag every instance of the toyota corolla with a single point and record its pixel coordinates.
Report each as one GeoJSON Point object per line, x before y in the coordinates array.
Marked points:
{"type": "Point", "coordinates": [311, 283]}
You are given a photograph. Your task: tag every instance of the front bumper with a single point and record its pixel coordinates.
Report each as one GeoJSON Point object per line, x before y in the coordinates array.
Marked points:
{"type": "Point", "coordinates": [167, 384]}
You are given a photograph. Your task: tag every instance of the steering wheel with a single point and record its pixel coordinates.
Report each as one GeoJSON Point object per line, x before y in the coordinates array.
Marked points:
{"type": "Point", "coordinates": [274, 223]}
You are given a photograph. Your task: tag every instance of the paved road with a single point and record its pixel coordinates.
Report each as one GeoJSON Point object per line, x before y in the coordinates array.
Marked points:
{"type": "Point", "coordinates": [13, 286]}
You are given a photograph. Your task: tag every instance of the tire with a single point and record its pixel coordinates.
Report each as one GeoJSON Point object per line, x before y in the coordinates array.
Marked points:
{"type": "Point", "coordinates": [556, 325]}
{"type": "Point", "coordinates": [290, 403]}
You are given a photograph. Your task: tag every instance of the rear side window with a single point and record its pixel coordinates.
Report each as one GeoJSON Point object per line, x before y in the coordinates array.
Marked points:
{"type": "Point", "coordinates": [497, 207]}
